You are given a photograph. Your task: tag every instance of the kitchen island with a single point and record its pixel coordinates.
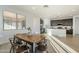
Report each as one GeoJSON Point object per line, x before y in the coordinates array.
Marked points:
{"type": "Point", "coordinates": [57, 32]}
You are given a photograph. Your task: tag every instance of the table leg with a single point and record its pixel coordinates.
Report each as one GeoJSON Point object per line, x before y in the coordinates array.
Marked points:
{"type": "Point", "coordinates": [33, 47]}
{"type": "Point", "coordinates": [14, 50]}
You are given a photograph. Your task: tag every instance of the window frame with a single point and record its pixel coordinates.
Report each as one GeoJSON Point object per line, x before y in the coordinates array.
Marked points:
{"type": "Point", "coordinates": [20, 21]}
{"type": "Point", "coordinates": [15, 21]}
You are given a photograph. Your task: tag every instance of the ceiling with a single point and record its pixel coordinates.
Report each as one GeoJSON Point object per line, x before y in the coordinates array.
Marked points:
{"type": "Point", "coordinates": [52, 11]}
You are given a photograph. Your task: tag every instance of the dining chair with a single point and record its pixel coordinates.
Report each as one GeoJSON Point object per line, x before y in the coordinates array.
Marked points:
{"type": "Point", "coordinates": [18, 49]}
{"type": "Point", "coordinates": [41, 49]}
{"type": "Point", "coordinates": [18, 42]}
{"type": "Point", "coordinates": [23, 49]}
{"type": "Point", "coordinates": [13, 46]}
{"type": "Point", "coordinates": [42, 46]}
{"type": "Point", "coordinates": [43, 42]}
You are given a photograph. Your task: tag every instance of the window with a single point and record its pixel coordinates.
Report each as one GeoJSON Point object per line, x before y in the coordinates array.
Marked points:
{"type": "Point", "coordinates": [13, 21]}
{"type": "Point", "coordinates": [21, 22]}
{"type": "Point", "coordinates": [9, 20]}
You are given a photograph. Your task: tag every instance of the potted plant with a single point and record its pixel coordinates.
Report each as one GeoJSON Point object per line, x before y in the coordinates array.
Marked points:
{"type": "Point", "coordinates": [29, 30]}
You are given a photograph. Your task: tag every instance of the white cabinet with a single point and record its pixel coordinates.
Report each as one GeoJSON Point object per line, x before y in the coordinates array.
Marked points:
{"type": "Point", "coordinates": [57, 32]}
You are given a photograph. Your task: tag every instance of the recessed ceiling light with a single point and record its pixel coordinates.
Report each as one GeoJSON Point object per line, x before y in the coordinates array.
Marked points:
{"type": "Point", "coordinates": [45, 6]}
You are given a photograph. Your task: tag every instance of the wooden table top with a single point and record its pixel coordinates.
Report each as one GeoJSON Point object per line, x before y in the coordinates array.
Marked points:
{"type": "Point", "coordinates": [30, 38]}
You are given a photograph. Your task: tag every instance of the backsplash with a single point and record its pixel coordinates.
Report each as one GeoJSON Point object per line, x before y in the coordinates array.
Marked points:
{"type": "Point", "coordinates": [64, 22]}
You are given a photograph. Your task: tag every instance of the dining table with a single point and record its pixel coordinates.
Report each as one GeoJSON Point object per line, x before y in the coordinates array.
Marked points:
{"type": "Point", "coordinates": [33, 39]}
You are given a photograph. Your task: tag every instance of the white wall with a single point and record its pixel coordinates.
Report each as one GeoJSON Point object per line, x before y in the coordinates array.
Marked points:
{"type": "Point", "coordinates": [76, 25]}
{"type": "Point", "coordinates": [1, 21]}
{"type": "Point", "coordinates": [34, 23]}
{"type": "Point", "coordinates": [31, 20]}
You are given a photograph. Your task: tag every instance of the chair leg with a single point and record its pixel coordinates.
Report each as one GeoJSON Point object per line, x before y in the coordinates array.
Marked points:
{"type": "Point", "coordinates": [13, 50]}
{"type": "Point", "coordinates": [10, 49]}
